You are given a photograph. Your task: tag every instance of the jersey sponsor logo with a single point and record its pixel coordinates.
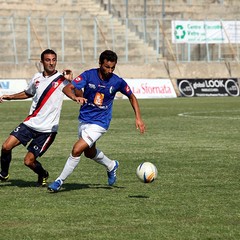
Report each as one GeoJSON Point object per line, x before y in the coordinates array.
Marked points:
{"type": "Point", "coordinates": [127, 89]}
{"type": "Point", "coordinates": [92, 86]}
{"type": "Point", "coordinates": [111, 90]}
{"type": "Point", "coordinates": [101, 86]}
{"type": "Point", "coordinates": [78, 79]}
{"type": "Point", "coordinates": [55, 84]}
{"type": "Point", "coordinates": [35, 147]}
{"type": "Point", "coordinates": [98, 99]}
{"type": "Point", "coordinates": [37, 82]}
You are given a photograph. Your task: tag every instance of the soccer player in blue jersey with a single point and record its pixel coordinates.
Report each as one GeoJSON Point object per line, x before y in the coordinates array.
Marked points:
{"type": "Point", "coordinates": [99, 86]}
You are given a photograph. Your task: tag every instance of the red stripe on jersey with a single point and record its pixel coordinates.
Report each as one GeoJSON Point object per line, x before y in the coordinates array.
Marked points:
{"type": "Point", "coordinates": [51, 90]}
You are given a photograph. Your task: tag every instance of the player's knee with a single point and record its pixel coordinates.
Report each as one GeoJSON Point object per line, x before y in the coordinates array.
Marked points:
{"type": "Point", "coordinates": [6, 147]}
{"type": "Point", "coordinates": [28, 161]}
{"type": "Point", "coordinates": [76, 153]}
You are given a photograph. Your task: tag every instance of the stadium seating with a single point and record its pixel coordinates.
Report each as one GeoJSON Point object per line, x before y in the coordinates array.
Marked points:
{"type": "Point", "coordinates": [80, 29]}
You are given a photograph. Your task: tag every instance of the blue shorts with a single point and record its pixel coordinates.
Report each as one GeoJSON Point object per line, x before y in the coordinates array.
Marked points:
{"type": "Point", "coordinates": [40, 141]}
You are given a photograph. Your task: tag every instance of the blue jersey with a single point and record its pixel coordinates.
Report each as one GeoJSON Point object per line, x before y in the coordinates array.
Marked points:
{"type": "Point", "coordinates": [100, 95]}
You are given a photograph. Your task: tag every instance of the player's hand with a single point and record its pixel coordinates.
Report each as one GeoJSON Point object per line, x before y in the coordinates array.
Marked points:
{"type": "Point", "coordinates": [140, 125]}
{"type": "Point", "coordinates": [4, 97]}
{"type": "Point", "coordinates": [68, 74]}
{"type": "Point", "coordinates": [80, 100]}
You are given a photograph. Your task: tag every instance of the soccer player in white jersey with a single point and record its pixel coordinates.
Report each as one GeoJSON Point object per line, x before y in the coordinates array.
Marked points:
{"type": "Point", "coordinates": [100, 87]}
{"type": "Point", "coordinates": [41, 125]}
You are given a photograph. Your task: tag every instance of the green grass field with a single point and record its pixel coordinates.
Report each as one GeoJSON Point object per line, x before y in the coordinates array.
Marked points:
{"type": "Point", "coordinates": [194, 142]}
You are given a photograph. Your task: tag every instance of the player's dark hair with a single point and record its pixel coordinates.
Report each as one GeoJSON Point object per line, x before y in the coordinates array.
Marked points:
{"type": "Point", "coordinates": [109, 56]}
{"type": "Point", "coordinates": [47, 51]}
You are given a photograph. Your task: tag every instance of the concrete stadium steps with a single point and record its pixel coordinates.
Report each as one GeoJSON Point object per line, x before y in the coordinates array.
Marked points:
{"type": "Point", "coordinates": [43, 12]}
{"type": "Point", "coordinates": [175, 10]}
{"type": "Point", "coordinates": [45, 18]}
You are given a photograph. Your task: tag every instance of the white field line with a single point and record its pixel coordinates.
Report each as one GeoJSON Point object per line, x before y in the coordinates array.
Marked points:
{"type": "Point", "coordinates": [193, 114]}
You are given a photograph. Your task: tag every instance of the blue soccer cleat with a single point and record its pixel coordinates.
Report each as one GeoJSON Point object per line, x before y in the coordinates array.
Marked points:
{"type": "Point", "coordinates": [112, 177]}
{"type": "Point", "coordinates": [55, 186]}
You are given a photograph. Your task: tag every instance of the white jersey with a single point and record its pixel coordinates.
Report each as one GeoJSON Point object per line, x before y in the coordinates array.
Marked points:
{"type": "Point", "coordinates": [46, 107]}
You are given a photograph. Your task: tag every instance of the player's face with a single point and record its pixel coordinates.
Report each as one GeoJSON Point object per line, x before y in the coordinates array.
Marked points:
{"type": "Point", "coordinates": [49, 64]}
{"type": "Point", "coordinates": [106, 69]}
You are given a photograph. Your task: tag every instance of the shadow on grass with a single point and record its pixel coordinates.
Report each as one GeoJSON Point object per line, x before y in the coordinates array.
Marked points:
{"type": "Point", "coordinates": [66, 186]}
{"type": "Point", "coordinates": [76, 186]}
{"type": "Point", "coordinates": [18, 183]}
{"type": "Point", "coordinates": [138, 196]}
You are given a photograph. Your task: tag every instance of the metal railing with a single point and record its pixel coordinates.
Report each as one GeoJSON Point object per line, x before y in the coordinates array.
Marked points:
{"type": "Point", "coordinates": [136, 40]}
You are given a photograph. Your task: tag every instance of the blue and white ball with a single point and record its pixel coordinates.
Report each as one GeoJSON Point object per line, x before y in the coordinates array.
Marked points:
{"type": "Point", "coordinates": [147, 172]}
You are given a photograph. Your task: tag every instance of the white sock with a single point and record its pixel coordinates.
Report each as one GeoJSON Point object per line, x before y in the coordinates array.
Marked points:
{"type": "Point", "coordinates": [70, 165]}
{"type": "Point", "coordinates": [104, 160]}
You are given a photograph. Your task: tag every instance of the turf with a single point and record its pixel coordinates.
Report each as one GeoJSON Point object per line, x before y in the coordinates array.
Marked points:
{"type": "Point", "coordinates": [194, 142]}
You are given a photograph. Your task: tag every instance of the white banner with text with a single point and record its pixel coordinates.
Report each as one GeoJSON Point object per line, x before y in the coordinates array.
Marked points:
{"type": "Point", "coordinates": [151, 88]}
{"type": "Point", "coordinates": [142, 88]}
{"type": "Point", "coordinates": [202, 32]}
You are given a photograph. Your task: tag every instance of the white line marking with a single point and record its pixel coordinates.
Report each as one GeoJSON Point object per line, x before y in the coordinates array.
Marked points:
{"type": "Point", "coordinates": [193, 114]}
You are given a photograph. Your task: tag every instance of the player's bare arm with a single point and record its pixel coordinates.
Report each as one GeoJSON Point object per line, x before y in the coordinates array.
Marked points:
{"type": "Point", "coordinates": [16, 96]}
{"type": "Point", "coordinates": [138, 119]}
{"type": "Point", "coordinates": [69, 90]}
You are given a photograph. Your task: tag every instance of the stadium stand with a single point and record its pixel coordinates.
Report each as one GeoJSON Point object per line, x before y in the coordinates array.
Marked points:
{"type": "Point", "coordinates": [80, 29]}
{"type": "Point", "coordinates": [37, 27]}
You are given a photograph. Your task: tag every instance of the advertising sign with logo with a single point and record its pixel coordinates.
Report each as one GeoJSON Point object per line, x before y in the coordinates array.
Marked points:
{"type": "Point", "coordinates": [11, 86]}
{"type": "Point", "coordinates": [202, 32]}
{"type": "Point", "coordinates": [208, 87]}
{"type": "Point", "coordinates": [152, 88]}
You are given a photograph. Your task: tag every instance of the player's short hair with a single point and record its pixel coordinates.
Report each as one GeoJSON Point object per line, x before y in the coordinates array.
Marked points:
{"type": "Point", "coordinates": [109, 56]}
{"type": "Point", "coordinates": [47, 51]}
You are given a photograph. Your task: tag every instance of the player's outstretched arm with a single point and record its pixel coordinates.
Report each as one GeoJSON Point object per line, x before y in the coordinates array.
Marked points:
{"type": "Point", "coordinates": [69, 90]}
{"type": "Point", "coordinates": [16, 96]}
{"type": "Point", "coordinates": [138, 119]}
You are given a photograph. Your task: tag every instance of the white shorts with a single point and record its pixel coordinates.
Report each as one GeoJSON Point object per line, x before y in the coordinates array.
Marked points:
{"type": "Point", "coordinates": [90, 133]}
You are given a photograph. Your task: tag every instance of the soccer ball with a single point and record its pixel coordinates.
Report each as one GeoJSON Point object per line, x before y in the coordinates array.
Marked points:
{"type": "Point", "coordinates": [147, 172]}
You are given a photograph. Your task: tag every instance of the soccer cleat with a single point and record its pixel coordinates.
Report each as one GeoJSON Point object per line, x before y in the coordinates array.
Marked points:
{"type": "Point", "coordinates": [55, 186]}
{"type": "Point", "coordinates": [112, 176]}
{"type": "Point", "coordinates": [42, 180]}
{"type": "Point", "coordinates": [4, 179]}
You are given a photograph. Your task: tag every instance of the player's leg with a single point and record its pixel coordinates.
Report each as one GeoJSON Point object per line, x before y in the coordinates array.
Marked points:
{"type": "Point", "coordinates": [111, 165]}
{"type": "Point", "coordinates": [38, 146]}
{"type": "Point", "coordinates": [31, 162]}
{"type": "Point", "coordinates": [6, 156]}
{"type": "Point", "coordinates": [73, 159]}
{"type": "Point", "coordinates": [20, 135]}
{"type": "Point", "coordinates": [70, 165]}
{"type": "Point", "coordinates": [98, 156]}
{"type": "Point", "coordinates": [91, 134]}
{"type": "Point", "coordinates": [85, 140]}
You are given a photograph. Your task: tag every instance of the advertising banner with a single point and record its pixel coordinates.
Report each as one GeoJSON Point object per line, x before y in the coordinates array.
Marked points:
{"type": "Point", "coordinates": [208, 87]}
{"type": "Point", "coordinates": [11, 86]}
{"type": "Point", "coordinates": [151, 88]}
{"type": "Point", "coordinates": [142, 88]}
{"type": "Point", "coordinates": [203, 32]}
